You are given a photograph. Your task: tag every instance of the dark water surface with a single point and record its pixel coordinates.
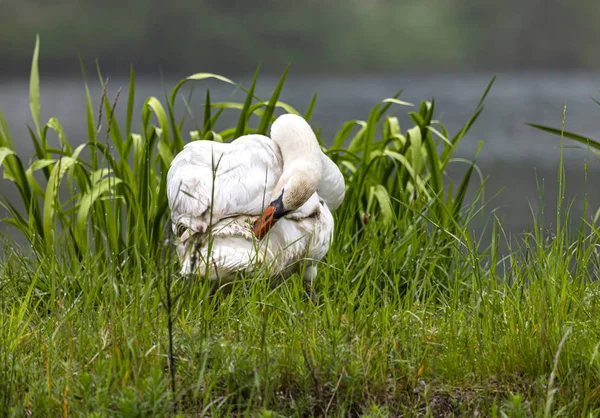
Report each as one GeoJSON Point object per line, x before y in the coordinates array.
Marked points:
{"type": "Point", "coordinates": [516, 158]}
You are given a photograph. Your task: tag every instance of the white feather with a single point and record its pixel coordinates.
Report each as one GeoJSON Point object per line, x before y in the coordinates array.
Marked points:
{"type": "Point", "coordinates": [243, 173]}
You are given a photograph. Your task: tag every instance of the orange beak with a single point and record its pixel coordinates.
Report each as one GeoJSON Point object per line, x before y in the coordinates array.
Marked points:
{"type": "Point", "coordinates": [265, 222]}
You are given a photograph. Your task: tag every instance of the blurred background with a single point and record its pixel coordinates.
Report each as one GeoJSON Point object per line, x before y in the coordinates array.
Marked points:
{"type": "Point", "coordinates": [316, 36]}
{"type": "Point", "coordinates": [353, 53]}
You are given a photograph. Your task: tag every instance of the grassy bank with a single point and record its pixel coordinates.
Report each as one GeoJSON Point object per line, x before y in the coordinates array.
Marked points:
{"type": "Point", "coordinates": [415, 316]}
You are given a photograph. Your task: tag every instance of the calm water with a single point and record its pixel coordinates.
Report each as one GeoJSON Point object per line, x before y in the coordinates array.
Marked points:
{"type": "Point", "coordinates": [513, 155]}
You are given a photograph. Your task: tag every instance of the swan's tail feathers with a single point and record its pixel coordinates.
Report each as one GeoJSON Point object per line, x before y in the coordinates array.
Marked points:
{"type": "Point", "coordinates": [189, 194]}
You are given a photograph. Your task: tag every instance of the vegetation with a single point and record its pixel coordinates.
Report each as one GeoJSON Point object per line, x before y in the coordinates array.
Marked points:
{"type": "Point", "coordinates": [336, 36]}
{"type": "Point", "coordinates": [414, 316]}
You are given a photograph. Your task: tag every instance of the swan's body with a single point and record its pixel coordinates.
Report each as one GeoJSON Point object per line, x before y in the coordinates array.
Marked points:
{"type": "Point", "coordinates": [287, 179]}
{"type": "Point", "coordinates": [235, 249]}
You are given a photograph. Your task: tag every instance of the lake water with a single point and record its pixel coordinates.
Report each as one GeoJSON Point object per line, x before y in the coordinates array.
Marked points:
{"type": "Point", "coordinates": [516, 158]}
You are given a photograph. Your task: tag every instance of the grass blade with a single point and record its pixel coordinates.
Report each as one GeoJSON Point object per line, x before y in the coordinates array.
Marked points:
{"type": "Point", "coordinates": [207, 115]}
{"type": "Point", "coordinates": [485, 93]}
{"type": "Point", "coordinates": [311, 108]}
{"type": "Point", "coordinates": [34, 86]}
{"type": "Point", "coordinates": [265, 121]}
{"type": "Point", "coordinates": [4, 152]}
{"type": "Point", "coordinates": [130, 102]}
{"type": "Point", "coordinates": [244, 116]}
{"type": "Point", "coordinates": [579, 138]}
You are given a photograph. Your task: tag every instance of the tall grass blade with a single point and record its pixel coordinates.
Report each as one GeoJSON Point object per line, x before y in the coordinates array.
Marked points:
{"type": "Point", "coordinates": [51, 195]}
{"type": "Point", "coordinates": [34, 86]}
{"type": "Point", "coordinates": [393, 100]}
{"type": "Point", "coordinates": [90, 121]}
{"type": "Point", "coordinates": [388, 104]}
{"type": "Point", "coordinates": [41, 149]}
{"type": "Point", "coordinates": [4, 152]}
{"type": "Point", "coordinates": [5, 138]}
{"type": "Point", "coordinates": [268, 115]}
{"type": "Point", "coordinates": [207, 114]}
{"type": "Point", "coordinates": [96, 192]}
{"type": "Point", "coordinates": [177, 138]}
{"type": "Point", "coordinates": [244, 114]}
{"type": "Point", "coordinates": [157, 108]}
{"type": "Point", "coordinates": [434, 166]}
{"type": "Point", "coordinates": [385, 204]}
{"type": "Point", "coordinates": [462, 191]}
{"type": "Point", "coordinates": [449, 150]}
{"type": "Point", "coordinates": [130, 103]}
{"type": "Point", "coordinates": [310, 108]}
{"type": "Point", "coordinates": [562, 133]}
{"type": "Point", "coordinates": [486, 92]}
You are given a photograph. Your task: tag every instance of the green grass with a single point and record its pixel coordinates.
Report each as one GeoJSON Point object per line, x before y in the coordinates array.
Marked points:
{"type": "Point", "coordinates": [414, 317]}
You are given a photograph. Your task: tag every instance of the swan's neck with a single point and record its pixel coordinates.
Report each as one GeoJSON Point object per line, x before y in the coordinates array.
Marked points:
{"type": "Point", "coordinates": [302, 163]}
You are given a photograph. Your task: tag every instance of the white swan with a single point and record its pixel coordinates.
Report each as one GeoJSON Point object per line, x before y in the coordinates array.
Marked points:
{"type": "Point", "coordinates": [283, 185]}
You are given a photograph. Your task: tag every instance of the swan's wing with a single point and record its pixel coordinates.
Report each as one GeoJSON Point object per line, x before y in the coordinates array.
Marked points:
{"type": "Point", "coordinates": [332, 187]}
{"type": "Point", "coordinates": [229, 178]}
{"type": "Point", "coordinates": [322, 234]}
{"type": "Point", "coordinates": [294, 239]}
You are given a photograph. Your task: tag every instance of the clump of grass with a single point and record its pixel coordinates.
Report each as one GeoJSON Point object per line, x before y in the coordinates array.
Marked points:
{"type": "Point", "coordinates": [414, 318]}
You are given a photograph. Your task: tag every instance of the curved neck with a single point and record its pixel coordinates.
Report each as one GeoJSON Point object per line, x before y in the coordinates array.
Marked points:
{"type": "Point", "coordinates": [296, 140]}
{"type": "Point", "coordinates": [302, 163]}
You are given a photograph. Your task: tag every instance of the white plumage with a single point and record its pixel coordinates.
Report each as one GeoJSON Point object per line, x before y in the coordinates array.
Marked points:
{"type": "Point", "coordinates": [286, 178]}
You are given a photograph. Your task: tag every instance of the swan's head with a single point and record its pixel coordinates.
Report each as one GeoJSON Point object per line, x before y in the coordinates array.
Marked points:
{"type": "Point", "coordinates": [288, 197]}
{"type": "Point", "coordinates": [302, 169]}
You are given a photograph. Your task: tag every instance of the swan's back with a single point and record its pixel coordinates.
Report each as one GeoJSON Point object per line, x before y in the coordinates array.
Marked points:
{"type": "Point", "coordinates": [235, 178]}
